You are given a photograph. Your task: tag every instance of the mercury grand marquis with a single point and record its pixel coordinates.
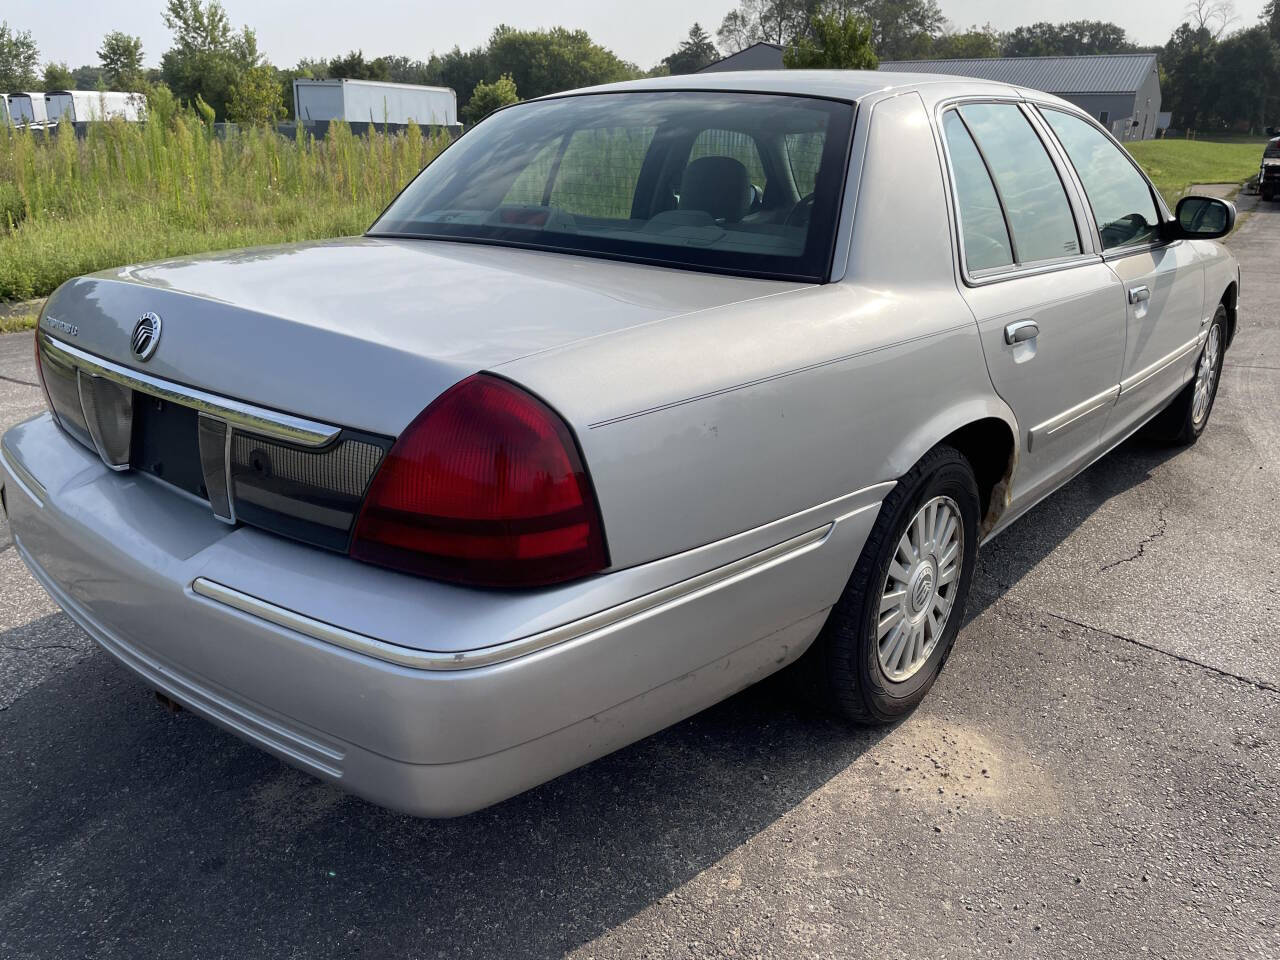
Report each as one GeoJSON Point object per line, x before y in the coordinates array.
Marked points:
{"type": "Point", "coordinates": [634, 396]}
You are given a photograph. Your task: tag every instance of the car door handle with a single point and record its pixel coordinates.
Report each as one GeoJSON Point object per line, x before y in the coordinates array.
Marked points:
{"type": "Point", "coordinates": [1139, 294]}
{"type": "Point", "coordinates": [1021, 332]}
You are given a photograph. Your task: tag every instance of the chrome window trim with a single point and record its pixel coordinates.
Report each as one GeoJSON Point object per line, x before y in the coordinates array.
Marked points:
{"type": "Point", "coordinates": [246, 416]}
{"type": "Point", "coordinates": [580, 629]}
{"type": "Point", "coordinates": [1066, 177]}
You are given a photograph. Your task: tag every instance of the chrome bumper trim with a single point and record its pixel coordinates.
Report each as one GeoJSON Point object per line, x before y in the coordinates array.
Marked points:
{"type": "Point", "coordinates": [580, 629]}
{"type": "Point", "coordinates": [246, 416]}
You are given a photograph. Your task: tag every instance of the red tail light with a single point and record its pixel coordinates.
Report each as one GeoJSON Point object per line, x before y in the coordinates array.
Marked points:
{"type": "Point", "coordinates": [486, 487]}
{"type": "Point", "coordinates": [40, 376]}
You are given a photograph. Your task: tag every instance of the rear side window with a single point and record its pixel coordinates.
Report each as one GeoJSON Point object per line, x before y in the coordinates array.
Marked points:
{"type": "Point", "coordinates": [1121, 200]}
{"type": "Point", "coordinates": [1035, 202]}
{"type": "Point", "coordinates": [986, 239]}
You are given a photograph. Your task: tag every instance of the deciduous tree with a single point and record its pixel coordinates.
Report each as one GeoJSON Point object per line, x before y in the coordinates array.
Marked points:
{"type": "Point", "coordinates": [548, 61]}
{"type": "Point", "coordinates": [255, 97]}
{"type": "Point", "coordinates": [1246, 65]}
{"type": "Point", "coordinates": [900, 29]}
{"type": "Point", "coordinates": [207, 56]}
{"type": "Point", "coordinates": [488, 97]}
{"type": "Point", "coordinates": [839, 41]}
{"type": "Point", "coordinates": [355, 67]}
{"type": "Point", "coordinates": [1074, 39]}
{"type": "Point", "coordinates": [19, 58]}
{"type": "Point", "coordinates": [1189, 64]}
{"type": "Point", "coordinates": [121, 58]}
{"type": "Point", "coordinates": [57, 76]}
{"type": "Point", "coordinates": [976, 42]}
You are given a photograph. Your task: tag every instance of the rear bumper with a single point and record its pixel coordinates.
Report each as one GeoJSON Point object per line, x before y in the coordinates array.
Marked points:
{"type": "Point", "coordinates": [431, 699]}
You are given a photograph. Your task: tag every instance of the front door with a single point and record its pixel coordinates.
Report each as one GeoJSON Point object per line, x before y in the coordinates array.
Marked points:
{"type": "Point", "coordinates": [1163, 282]}
{"type": "Point", "coordinates": [1050, 312]}
{"type": "Point", "coordinates": [1165, 290]}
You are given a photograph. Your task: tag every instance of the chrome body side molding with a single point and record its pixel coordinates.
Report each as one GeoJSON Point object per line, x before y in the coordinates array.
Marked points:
{"type": "Point", "coordinates": [1133, 382]}
{"type": "Point", "coordinates": [1041, 433]}
{"type": "Point", "coordinates": [499, 653]}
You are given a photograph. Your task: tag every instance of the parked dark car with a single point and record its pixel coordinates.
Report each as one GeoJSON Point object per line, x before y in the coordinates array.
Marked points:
{"type": "Point", "coordinates": [1269, 175]}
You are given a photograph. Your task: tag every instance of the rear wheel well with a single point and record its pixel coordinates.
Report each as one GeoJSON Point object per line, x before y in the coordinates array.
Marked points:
{"type": "Point", "coordinates": [988, 445]}
{"type": "Point", "coordinates": [1229, 301]}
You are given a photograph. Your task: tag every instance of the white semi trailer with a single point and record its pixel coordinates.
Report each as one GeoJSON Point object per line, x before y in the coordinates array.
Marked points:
{"type": "Point", "coordinates": [373, 101]}
{"type": "Point", "coordinates": [76, 106]}
{"type": "Point", "coordinates": [27, 109]}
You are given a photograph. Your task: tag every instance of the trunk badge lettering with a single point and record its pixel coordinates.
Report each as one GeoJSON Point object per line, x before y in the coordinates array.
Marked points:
{"type": "Point", "coordinates": [70, 329]}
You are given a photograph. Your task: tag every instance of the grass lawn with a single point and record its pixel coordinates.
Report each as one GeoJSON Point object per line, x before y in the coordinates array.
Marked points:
{"type": "Point", "coordinates": [1174, 165]}
{"type": "Point", "coordinates": [131, 192]}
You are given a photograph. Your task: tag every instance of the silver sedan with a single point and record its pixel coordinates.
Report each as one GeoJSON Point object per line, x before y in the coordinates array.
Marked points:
{"type": "Point", "coordinates": [634, 396]}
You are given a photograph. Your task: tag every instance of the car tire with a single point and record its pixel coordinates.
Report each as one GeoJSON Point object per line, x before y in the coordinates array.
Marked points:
{"type": "Point", "coordinates": [1182, 422]}
{"type": "Point", "coordinates": [852, 665]}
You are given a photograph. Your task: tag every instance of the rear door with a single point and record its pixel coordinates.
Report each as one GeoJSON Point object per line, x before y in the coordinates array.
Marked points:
{"type": "Point", "coordinates": [1050, 312]}
{"type": "Point", "coordinates": [1163, 282]}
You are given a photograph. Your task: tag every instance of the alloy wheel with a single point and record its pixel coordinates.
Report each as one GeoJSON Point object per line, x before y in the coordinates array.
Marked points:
{"type": "Point", "coordinates": [920, 588]}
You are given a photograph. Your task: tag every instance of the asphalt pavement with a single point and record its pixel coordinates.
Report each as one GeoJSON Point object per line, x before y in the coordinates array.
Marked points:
{"type": "Point", "coordinates": [1094, 775]}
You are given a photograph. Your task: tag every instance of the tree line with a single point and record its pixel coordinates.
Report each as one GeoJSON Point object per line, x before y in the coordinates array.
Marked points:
{"type": "Point", "coordinates": [1214, 76]}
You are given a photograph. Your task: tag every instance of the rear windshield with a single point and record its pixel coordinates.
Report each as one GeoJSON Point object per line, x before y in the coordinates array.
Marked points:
{"type": "Point", "coordinates": [729, 182]}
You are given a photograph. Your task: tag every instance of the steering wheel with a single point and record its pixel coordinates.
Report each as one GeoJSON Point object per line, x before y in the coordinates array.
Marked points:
{"type": "Point", "coordinates": [800, 213]}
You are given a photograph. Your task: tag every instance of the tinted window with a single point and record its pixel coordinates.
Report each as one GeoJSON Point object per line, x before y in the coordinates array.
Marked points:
{"type": "Point", "coordinates": [1121, 200]}
{"type": "Point", "coordinates": [730, 143]}
{"type": "Point", "coordinates": [804, 156]}
{"type": "Point", "coordinates": [667, 178]}
{"type": "Point", "coordinates": [986, 240]}
{"type": "Point", "coordinates": [1034, 198]}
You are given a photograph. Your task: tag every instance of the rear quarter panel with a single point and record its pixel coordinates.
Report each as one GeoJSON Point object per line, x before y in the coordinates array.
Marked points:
{"type": "Point", "coordinates": [711, 424]}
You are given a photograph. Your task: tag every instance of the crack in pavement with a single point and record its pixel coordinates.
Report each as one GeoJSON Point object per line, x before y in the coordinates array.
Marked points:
{"type": "Point", "coordinates": [25, 383]}
{"type": "Point", "coordinates": [1249, 366]}
{"type": "Point", "coordinates": [1162, 525]}
{"type": "Point", "coordinates": [25, 647]}
{"type": "Point", "coordinates": [1251, 681]}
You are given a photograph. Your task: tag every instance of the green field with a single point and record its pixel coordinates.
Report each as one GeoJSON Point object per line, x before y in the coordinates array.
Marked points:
{"type": "Point", "coordinates": [1174, 165]}
{"type": "Point", "coordinates": [127, 193]}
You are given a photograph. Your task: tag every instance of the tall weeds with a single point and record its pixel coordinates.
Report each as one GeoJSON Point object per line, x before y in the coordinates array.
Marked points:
{"type": "Point", "coordinates": [131, 192]}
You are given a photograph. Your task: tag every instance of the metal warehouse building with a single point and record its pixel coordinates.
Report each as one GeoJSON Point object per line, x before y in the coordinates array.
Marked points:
{"type": "Point", "coordinates": [1122, 90]}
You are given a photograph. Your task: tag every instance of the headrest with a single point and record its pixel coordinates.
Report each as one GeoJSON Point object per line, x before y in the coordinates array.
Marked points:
{"type": "Point", "coordinates": [718, 185]}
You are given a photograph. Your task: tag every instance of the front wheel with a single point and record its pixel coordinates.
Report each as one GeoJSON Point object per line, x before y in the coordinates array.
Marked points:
{"type": "Point", "coordinates": [891, 631]}
{"type": "Point", "coordinates": [1185, 418]}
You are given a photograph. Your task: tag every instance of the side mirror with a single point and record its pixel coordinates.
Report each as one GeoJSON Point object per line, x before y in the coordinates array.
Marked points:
{"type": "Point", "coordinates": [1203, 218]}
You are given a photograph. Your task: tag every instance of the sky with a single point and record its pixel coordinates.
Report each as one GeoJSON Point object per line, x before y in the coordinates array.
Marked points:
{"type": "Point", "coordinates": [644, 32]}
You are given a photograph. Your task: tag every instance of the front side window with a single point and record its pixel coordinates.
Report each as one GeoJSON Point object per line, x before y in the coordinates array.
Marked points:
{"type": "Point", "coordinates": [687, 179]}
{"type": "Point", "coordinates": [1121, 200]}
{"type": "Point", "coordinates": [1035, 201]}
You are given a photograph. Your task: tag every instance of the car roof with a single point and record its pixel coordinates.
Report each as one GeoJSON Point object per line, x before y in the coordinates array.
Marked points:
{"type": "Point", "coordinates": [851, 85]}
